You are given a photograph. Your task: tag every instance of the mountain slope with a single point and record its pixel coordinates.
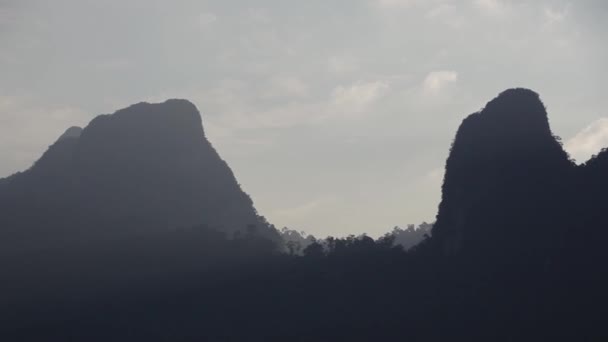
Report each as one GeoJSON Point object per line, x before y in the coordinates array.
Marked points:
{"type": "Point", "coordinates": [507, 182]}
{"type": "Point", "coordinates": [148, 166]}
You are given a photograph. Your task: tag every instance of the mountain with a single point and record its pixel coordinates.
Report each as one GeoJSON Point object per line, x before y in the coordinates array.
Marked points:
{"type": "Point", "coordinates": [509, 185]}
{"type": "Point", "coordinates": [517, 253]}
{"type": "Point", "coordinates": [593, 204]}
{"type": "Point", "coordinates": [145, 167]}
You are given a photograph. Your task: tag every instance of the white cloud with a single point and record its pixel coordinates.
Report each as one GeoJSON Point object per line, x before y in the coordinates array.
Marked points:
{"type": "Point", "coordinates": [206, 19]}
{"type": "Point", "coordinates": [258, 15]}
{"type": "Point", "coordinates": [342, 64]}
{"type": "Point", "coordinates": [589, 141]}
{"type": "Point", "coordinates": [553, 16]}
{"type": "Point", "coordinates": [357, 97]}
{"type": "Point", "coordinates": [490, 6]}
{"type": "Point", "coordinates": [286, 86]}
{"type": "Point", "coordinates": [304, 210]}
{"type": "Point", "coordinates": [394, 3]}
{"type": "Point", "coordinates": [233, 107]}
{"type": "Point", "coordinates": [299, 215]}
{"type": "Point", "coordinates": [8, 104]}
{"type": "Point", "coordinates": [37, 126]}
{"type": "Point", "coordinates": [407, 4]}
{"type": "Point", "coordinates": [446, 14]}
{"type": "Point", "coordinates": [348, 102]}
{"type": "Point", "coordinates": [278, 74]}
{"type": "Point", "coordinates": [435, 81]}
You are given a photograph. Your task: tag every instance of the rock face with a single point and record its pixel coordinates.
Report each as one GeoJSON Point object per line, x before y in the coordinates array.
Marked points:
{"type": "Point", "coordinates": [72, 132]}
{"type": "Point", "coordinates": [592, 203]}
{"type": "Point", "coordinates": [508, 185]}
{"type": "Point", "coordinates": [148, 166]}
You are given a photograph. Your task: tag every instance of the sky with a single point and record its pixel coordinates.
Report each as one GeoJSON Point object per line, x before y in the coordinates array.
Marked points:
{"type": "Point", "coordinates": [336, 116]}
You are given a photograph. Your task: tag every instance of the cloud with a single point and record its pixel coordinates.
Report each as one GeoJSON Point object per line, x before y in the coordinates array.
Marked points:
{"type": "Point", "coordinates": [236, 107]}
{"type": "Point", "coordinates": [407, 4]}
{"type": "Point", "coordinates": [37, 126]}
{"type": "Point", "coordinates": [394, 3]}
{"type": "Point", "coordinates": [490, 6]}
{"type": "Point", "coordinates": [435, 81]}
{"type": "Point", "coordinates": [446, 14]}
{"type": "Point", "coordinates": [286, 86]}
{"type": "Point", "coordinates": [553, 16]}
{"type": "Point", "coordinates": [266, 77]}
{"type": "Point", "coordinates": [345, 102]}
{"type": "Point", "coordinates": [357, 97]}
{"type": "Point", "coordinates": [258, 16]}
{"type": "Point", "coordinates": [342, 64]}
{"type": "Point", "coordinates": [299, 215]}
{"type": "Point", "coordinates": [206, 19]}
{"type": "Point", "coordinates": [304, 210]}
{"type": "Point", "coordinates": [589, 141]}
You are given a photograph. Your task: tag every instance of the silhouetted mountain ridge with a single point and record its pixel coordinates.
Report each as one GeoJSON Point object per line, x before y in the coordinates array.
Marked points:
{"type": "Point", "coordinates": [510, 189]}
{"type": "Point", "coordinates": [147, 166]}
{"type": "Point", "coordinates": [517, 254]}
{"type": "Point", "coordinates": [73, 132]}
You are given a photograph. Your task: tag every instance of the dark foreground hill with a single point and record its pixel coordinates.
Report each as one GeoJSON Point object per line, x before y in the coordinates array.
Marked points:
{"type": "Point", "coordinates": [148, 167]}
{"type": "Point", "coordinates": [518, 253]}
{"type": "Point", "coordinates": [509, 185]}
{"type": "Point", "coordinates": [511, 194]}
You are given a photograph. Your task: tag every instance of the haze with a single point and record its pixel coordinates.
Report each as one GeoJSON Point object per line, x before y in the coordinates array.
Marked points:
{"type": "Point", "coordinates": [336, 116]}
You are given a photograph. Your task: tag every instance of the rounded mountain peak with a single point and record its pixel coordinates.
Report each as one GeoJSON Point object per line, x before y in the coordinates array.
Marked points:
{"type": "Point", "coordinates": [71, 133]}
{"type": "Point", "coordinates": [171, 107]}
{"type": "Point", "coordinates": [518, 106]}
{"type": "Point", "coordinates": [173, 117]}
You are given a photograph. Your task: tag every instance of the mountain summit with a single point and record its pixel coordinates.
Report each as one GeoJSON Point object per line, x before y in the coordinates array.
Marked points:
{"type": "Point", "coordinates": [147, 166]}
{"type": "Point", "coordinates": [71, 133]}
{"type": "Point", "coordinates": [506, 178]}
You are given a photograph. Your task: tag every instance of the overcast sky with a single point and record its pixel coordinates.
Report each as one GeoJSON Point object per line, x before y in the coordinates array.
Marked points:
{"type": "Point", "coordinates": [335, 115]}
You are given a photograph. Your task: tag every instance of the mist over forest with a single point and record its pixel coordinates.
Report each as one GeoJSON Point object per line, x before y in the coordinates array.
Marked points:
{"type": "Point", "coordinates": [320, 170]}
{"type": "Point", "coordinates": [134, 228]}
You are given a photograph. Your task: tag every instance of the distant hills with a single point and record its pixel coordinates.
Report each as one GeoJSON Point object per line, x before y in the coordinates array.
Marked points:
{"type": "Point", "coordinates": [145, 167]}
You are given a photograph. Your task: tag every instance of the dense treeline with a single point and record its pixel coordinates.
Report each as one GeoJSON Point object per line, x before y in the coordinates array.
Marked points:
{"type": "Point", "coordinates": [197, 284]}
{"type": "Point", "coordinates": [295, 242]}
